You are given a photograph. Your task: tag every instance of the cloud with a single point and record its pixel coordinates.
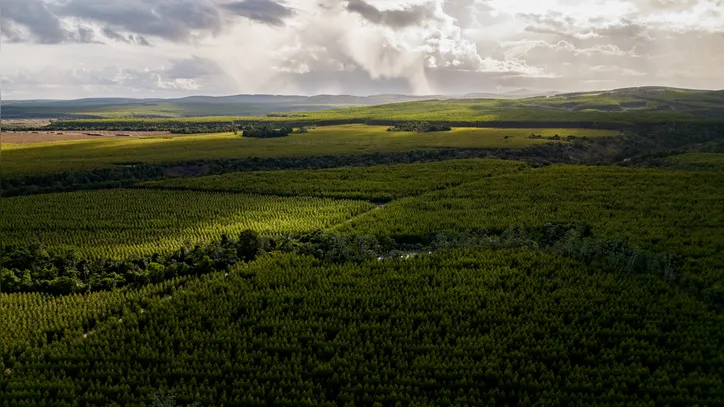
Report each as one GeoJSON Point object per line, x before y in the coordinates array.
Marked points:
{"type": "Point", "coordinates": [130, 21]}
{"type": "Point", "coordinates": [111, 34]}
{"type": "Point", "coordinates": [263, 11]}
{"type": "Point", "coordinates": [366, 46]}
{"type": "Point", "coordinates": [174, 20]}
{"type": "Point", "coordinates": [194, 68]}
{"type": "Point", "coordinates": [25, 20]}
{"type": "Point", "coordinates": [622, 32]}
{"type": "Point", "coordinates": [35, 17]}
{"type": "Point", "coordinates": [409, 16]}
{"type": "Point", "coordinates": [181, 77]}
{"type": "Point", "coordinates": [421, 38]}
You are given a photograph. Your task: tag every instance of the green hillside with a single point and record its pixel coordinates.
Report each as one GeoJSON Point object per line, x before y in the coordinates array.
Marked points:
{"type": "Point", "coordinates": [625, 106]}
{"type": "Point", "coordinates": [612, 108]}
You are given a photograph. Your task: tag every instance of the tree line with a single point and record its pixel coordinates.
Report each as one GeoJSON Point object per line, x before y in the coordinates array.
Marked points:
{"type": "Point", "coordinates": [37, 269]}
{"type": "Point", "coordinates": [420, 127]}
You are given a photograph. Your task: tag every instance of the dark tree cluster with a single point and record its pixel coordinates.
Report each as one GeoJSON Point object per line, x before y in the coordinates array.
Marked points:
{"type": "Point", "coordinates": [555, 137]}
{"type": "Point", "coordinates": [201, 129]}
{"type": "Point", "coordinates": [124, 175]}
{"type": "Point", "coordinates": [267, 131]}
{"type": "Point", "coordinates": [420, 127]}
{"type": "Point", "coordinates": [132, 173]}
{"type": "Point", "coordinates": [36, 269]}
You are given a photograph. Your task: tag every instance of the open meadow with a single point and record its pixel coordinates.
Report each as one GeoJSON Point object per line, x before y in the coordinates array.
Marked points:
{"type": "Point", "coordinates": [38, 158]}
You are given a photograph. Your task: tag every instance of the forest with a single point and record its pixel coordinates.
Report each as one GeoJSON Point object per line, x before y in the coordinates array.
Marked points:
{"type": "Point", "coordinates": [410, 254]}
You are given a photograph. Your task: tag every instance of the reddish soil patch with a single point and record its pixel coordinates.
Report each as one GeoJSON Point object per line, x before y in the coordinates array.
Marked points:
{"type": "Point", "coordinates": [35, 123]}
{"type": "Point", "coordinates": [26, 137]}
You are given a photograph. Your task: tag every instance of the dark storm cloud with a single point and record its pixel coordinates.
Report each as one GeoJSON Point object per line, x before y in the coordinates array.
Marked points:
{"type": "Point", "coordinates": [413, 15]}
{"type": "Point", "coordinates": [33, 14]}
{"type": "Point", "coordinates": [26, 20]}
{"type": "Point", "coordinates": [111, 34]}
{"type": "Point", "coordinates": [130, 21]}
{"type": "Point", "coordinates": [174, 20]}
{"type": "Point", "coordinates": [263, 11]}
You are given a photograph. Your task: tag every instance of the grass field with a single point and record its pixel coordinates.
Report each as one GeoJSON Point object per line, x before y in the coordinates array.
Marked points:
{"type": "Point", "coordinates": [377, 183]}
{"type": "Point", "coordinates": [328, 140]}
{"type": "Point", "coordinates": [122, 222]}
{"type": "Point", "coordinates": [489, 110]}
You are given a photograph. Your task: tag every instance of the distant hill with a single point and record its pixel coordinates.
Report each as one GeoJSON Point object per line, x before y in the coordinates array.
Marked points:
{"type": "Point", "coordinates": [611, 108]}
{"type": "Point", "coordinates": [695, 103]}
{"type": "Point", "coordinates": [698, 103]}
{"type": "Point", "coordinates": [234, 105]}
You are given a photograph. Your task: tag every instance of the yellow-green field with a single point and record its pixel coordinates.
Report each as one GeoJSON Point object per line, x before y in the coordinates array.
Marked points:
{"type": "Point", "coordinates": [122, 222]}
{"type": "Point", "coordinates": [39, 158]}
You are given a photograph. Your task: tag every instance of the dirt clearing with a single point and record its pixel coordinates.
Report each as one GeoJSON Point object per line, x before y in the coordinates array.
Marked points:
{"type": "Point", "coordinates": [25, 122]}
{"type": "Point", "coordinates": [27, 137]}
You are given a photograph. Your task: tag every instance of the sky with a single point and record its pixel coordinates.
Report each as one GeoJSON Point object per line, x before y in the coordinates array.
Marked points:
{"type": "Point", "coordinates": [63, 49]}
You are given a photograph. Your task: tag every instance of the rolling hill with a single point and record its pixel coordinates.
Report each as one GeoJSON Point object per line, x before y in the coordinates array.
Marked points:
{"type": "Point", "coordinates": [660, 102]}
{"type": "Point", "coordinates": [194, 106]}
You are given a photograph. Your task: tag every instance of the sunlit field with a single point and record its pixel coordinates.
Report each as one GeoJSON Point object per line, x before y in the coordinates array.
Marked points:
{"type": "Point", "coordinates": [123, 222]}
{"type": "Point", "coordinates": [327, 140]}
